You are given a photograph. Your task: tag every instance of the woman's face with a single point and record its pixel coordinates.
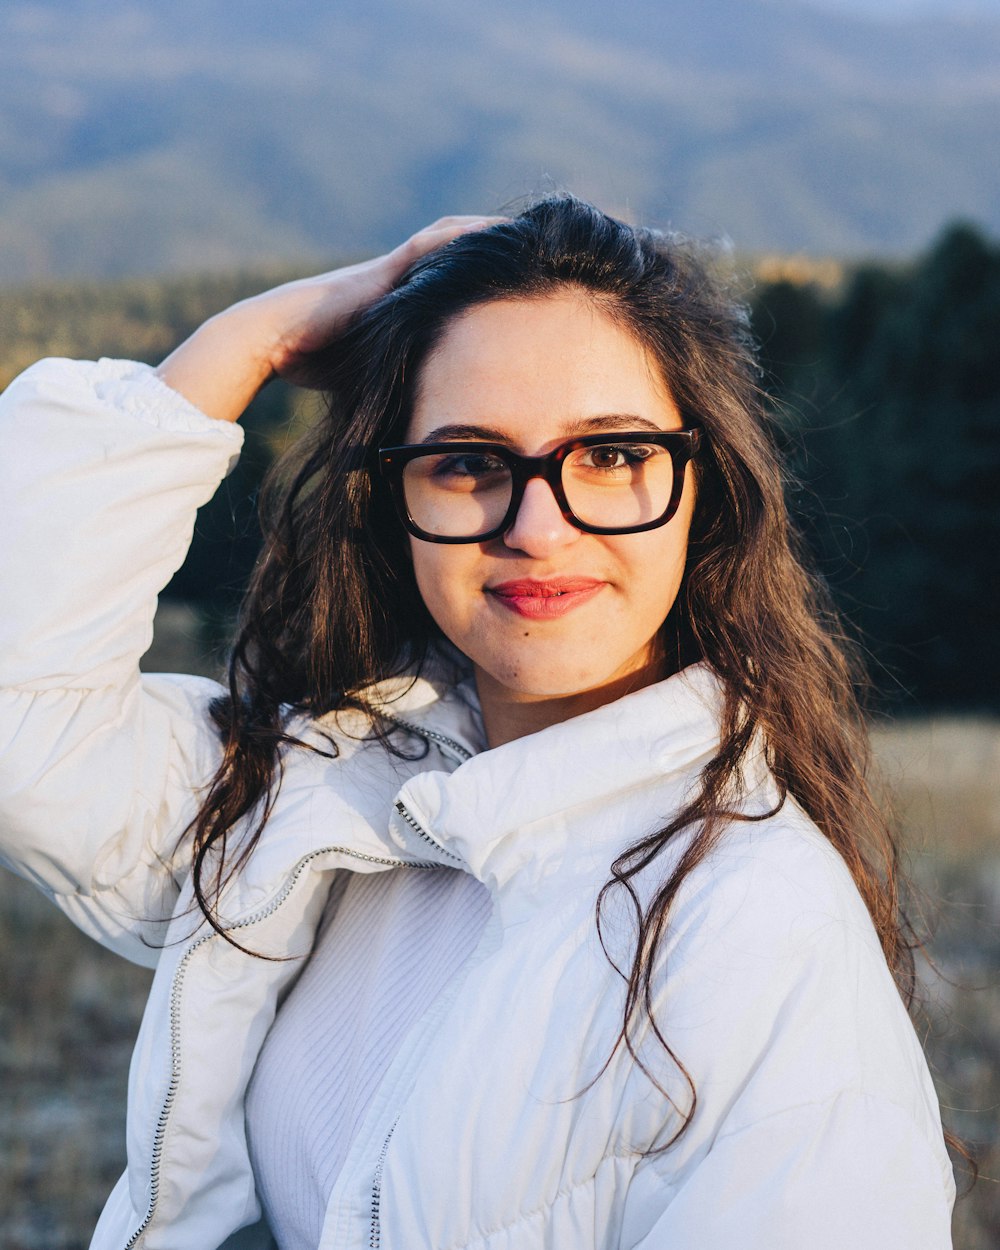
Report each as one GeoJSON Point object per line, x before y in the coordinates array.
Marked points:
{"type": "Point", "coordinates": [532, 374]}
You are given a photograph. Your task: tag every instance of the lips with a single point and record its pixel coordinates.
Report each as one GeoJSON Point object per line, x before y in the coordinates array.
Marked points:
{"type": "Point", "coordinates": [543, 600]}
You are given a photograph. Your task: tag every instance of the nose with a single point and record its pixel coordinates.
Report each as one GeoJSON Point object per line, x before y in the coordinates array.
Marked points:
{"type": "Point", "coordinates": [539, 528]}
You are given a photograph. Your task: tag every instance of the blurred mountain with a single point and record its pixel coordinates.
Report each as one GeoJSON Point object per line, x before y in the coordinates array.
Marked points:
{"type": "Point", "coordinates": [139, 137]}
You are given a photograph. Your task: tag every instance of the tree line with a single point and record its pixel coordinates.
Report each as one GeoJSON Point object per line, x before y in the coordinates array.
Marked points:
{"type": "Point", "coordinates": [887, 397]}
{"type": "Point", "coordinates": [885, 390]}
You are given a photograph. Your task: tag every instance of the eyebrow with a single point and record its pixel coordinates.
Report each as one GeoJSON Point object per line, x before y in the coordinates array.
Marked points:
{"type": "Point", "coordinates": [586, 425]}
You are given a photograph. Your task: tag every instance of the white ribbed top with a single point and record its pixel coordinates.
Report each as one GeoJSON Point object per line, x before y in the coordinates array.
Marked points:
{"type": "Point", "coordinates": [388, 943]}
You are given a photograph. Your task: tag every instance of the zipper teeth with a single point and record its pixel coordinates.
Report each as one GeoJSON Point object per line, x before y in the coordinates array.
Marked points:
{"type": "Point", "coordinates": [375, 1237]}
{"type": "Point", "coordinates": [432, 735]}
{"type": "Point", "coordinates": [161, 1123]}
{"type": "Point", "coordinates": [418, 828]}
{"type": "Point", "coordinates": [175, 996]}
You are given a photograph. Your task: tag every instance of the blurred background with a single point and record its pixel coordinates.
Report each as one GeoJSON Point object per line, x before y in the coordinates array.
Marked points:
{"type": "Point", "coordinates": [159, 161]}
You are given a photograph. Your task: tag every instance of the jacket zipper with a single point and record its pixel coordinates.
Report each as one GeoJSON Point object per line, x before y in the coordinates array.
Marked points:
{"type": "Point", "coordinates": [418, 828]}
{"type": "Point", "coordinates": [161, 1125]}
{"type": "Point", "coordinates": [462, 753]}
{"type": "Point", "coordinates": [375, 1236]}
{"type": "Point", "coordinates": [175, 997]}
{"type": "Point", "coordinates": [431, 735]}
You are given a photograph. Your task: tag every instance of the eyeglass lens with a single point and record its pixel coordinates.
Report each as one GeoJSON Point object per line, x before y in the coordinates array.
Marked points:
{"type": "Point", "coordinates": [611, 485]}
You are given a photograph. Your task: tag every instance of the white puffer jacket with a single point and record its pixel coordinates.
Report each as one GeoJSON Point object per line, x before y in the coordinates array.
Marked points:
{"type": "Point", "coordinates": [816, 1124]}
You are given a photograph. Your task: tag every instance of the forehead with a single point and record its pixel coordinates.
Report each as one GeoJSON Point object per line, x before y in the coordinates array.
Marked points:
{"type": "Point", "coordinates": [537, 370]}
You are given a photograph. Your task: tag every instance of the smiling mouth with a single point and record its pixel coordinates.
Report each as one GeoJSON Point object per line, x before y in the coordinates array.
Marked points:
{"type": "Point", "coordinates": [545, 599]}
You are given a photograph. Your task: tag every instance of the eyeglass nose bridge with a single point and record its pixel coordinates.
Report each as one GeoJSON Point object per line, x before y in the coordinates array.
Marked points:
{"type": "Point", "coordinates": [524, 469]}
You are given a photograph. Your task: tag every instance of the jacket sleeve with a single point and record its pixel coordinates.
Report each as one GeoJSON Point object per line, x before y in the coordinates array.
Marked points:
{"type": "Point", "coordinates": [815, 1122]}
{"type": "Point", "coordinates": [850, 1171]}
{"type": "Point", "coordinates": [102, 468]}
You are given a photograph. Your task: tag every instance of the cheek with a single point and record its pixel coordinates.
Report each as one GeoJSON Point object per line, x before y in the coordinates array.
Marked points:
{"type": "Point", "coordinates": [658, 568]}
{"type": "Point", "coordinates": [422, 561]}
{"type": "Point", "coordinates": [660, 581]}
{"type": "Point", "coordinates": [442, 575]}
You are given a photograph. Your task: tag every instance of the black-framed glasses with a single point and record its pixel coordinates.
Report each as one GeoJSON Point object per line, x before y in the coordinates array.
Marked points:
{"type": "Point", "coordinates": [466, 492]}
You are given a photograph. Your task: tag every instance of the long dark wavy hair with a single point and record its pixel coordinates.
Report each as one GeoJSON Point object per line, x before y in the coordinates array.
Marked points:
{"type": "Point", "coordinates": [333, 606]}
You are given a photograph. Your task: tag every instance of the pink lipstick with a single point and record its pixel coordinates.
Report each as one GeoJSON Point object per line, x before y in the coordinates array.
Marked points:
{"type": "Point", "coordinates": [545, 600]}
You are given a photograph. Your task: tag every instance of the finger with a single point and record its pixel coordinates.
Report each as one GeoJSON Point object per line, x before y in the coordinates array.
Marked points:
{"type": "Point", "coordinates": [463, 222]}
{"type": "Point", "coordinates": [437, 235]}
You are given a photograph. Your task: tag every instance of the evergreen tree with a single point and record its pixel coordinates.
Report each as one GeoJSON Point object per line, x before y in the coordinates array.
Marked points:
{"type": "Point", "coordinates": [899, 445]}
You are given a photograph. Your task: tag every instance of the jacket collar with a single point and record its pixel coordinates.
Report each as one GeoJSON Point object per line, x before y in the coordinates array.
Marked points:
{"type": "Point", "coordinates": [517, 809]}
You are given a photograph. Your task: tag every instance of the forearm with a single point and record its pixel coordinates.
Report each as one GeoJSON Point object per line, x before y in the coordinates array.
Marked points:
{"type": "Point", "coordinates": [223, 365]}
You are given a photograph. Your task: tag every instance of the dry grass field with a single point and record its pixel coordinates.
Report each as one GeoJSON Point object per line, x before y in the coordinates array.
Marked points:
{"type": "Point", "coordinates": [69, 1010]}
{"type": "Point", "coordinates": [944, 775]}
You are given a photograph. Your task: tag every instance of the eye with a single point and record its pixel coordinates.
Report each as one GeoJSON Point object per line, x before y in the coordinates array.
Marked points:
{"type": "Point", "coordinates": [461, 472]}
{"type": "Point", "coordinates": [616, 455]}
{"type": "Point", "coordinates": [473, 464]}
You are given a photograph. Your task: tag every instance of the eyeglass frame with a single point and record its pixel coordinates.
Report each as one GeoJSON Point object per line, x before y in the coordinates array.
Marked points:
{"type": "Point", "coordinates": [683, 446]}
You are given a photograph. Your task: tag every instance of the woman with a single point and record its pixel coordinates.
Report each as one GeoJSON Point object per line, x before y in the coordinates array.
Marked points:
{"type": "Point", "coordinates": [538, 738]}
